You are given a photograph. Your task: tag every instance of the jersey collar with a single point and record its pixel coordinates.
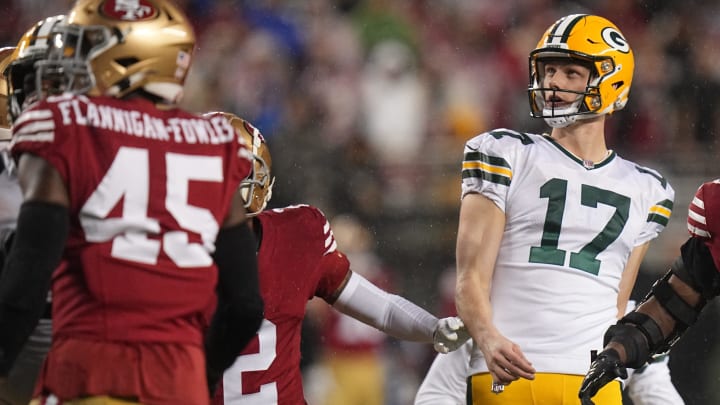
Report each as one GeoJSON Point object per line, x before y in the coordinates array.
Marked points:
{"type": "Point", "coordinates": [588, 165]}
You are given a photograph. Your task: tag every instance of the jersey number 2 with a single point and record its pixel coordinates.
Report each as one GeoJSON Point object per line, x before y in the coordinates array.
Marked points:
{"type": "Point", "coordinates": [232, 379]}
{"type": "Point", "coordinates": [128, 180]}
{"type": "Point", "coordinates": [555, 190]}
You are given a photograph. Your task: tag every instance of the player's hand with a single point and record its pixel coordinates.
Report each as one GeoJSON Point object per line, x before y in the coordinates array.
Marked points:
{"type": "Point", "coordinates": [604, 368]}
{"type": "Point", "coordinates": [449, 335]}
{"type": "Point", "coordinates": [505, 359]}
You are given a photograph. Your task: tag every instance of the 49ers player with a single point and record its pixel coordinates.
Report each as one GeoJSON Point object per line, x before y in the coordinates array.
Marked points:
{"type": "Point", "coordinates": [135, 202]}
{"type": "Point", "coordinates": [672, 305]}
{"type": "Point", "coordinates": [298, 260]}
{"type": "Point", "coordinates": [21, 378]}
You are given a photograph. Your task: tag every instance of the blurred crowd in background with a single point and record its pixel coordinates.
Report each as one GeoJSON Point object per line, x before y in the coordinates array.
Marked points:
{"type": "Point", "coordinates": [366, 105]}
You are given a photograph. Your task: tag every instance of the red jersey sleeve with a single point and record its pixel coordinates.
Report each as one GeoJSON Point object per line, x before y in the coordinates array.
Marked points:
{"type": "Point", "coordinates": [703, 221]}
{"type": "Point", "coordinates": [333, 266]}
{"type": "Point", "coordinates": [334, 269]}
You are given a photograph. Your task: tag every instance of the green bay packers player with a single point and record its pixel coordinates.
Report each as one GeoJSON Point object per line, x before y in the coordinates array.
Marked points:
{"type": "Point", "coordinates": [553, 227]}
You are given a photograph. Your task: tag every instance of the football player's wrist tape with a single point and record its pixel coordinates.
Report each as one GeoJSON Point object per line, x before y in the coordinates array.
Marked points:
{"type": "Point", "coordinates": [389, 313]}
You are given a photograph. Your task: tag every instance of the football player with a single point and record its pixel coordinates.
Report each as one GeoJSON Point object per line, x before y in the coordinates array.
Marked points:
{"type": "Point", "coordinates": [445, 382]}
{"type": "Point", "coordinates": [134, 202]}
{"type": "Point", "coordinates": [21, 378]}
{"type": "Point", "coordinates": [297, 260]}
{"type": "Point", "coordinates": [18, 389]}
{"type": "Point", "coordinates": [553, 227]}
{"type": "Point", "coordinates": [10, 192]}
{"type": "Point", "coordinates": [673, 304]}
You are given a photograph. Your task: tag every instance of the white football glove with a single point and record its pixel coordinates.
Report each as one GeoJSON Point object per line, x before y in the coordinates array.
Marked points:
{"type": "Point", "coordinates": [449, 334]}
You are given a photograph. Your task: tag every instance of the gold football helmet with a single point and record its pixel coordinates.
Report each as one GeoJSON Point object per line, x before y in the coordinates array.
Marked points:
{"type": "Point", "coordinates": [256, 189]}
{"type": "Point", "coordinates": [115, 47]}
{"type": "Point", "coordinates": [5, 59]}
{"type": "Point", "coordinates": [594, 42]}
{"type": "Point", "coordinates": [20, 71]}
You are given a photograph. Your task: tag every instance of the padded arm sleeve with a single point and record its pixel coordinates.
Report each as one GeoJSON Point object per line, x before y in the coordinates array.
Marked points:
{"type": "Point", "coordinates": [696, 267]}
{"type": "Point", "coordinates": [389, 313]}
{"type": "Point", "coordinates": [36, 251]}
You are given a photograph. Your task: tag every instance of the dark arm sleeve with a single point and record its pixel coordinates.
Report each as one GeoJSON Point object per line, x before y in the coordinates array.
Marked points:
{"type": "Point", "coordinates": [240, 307]}
{"type": "Point", "coordinates": [39, 242]}
{"type": "Point", "coordinates": [6, 237]}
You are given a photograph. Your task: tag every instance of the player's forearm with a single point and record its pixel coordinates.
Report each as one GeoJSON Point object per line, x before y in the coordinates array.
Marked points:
{"type": "Point", "coordinates": [480, 230]}
{"type": "Point", "coordinates": [652, 307]}
{"type": "Point", "coordinates": [629, 276]}
{"type": "Point", "coordinates": [621, 340]}
{"type": "Point", "coordinates": [663, 317]}
{"type": "Point", "coordinates": [389, 313]}
{"type": "Point", "coordinates": [472, 301]}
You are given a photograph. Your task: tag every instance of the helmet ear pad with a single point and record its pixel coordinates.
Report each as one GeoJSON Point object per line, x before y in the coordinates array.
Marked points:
{"type": "Point", "coordinates": [595, 42]}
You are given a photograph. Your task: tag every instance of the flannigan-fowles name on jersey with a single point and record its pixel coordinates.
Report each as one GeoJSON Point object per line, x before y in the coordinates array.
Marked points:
{"type": "Point", "coordinates": [215, 130]}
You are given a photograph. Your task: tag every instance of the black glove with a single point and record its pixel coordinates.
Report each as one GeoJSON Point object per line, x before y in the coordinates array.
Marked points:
{"type": "Point", "coordinates": [605, 367]}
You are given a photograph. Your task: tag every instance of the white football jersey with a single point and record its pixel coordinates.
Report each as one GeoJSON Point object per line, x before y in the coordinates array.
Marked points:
{"type": "Point", "coordinates": [570, 228]}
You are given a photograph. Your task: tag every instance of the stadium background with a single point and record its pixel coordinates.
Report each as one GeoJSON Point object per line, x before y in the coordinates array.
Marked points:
{"type": "Point", "coordinates": [318, 76]}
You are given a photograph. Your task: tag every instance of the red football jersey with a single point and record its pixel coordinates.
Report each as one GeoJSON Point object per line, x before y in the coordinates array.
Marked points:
{"type": "Point", "coordinates": [148, 191]}
{"type": "Point", "coordinates": [701, 222]}
{"type": "Point", "coordinates": [297, 261]}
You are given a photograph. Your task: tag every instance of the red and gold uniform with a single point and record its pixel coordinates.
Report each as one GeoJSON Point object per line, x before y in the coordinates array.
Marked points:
{"type": "Point", "coordinates": [297, 260]}
{"type": "Point", "coordinates": [148, 191]}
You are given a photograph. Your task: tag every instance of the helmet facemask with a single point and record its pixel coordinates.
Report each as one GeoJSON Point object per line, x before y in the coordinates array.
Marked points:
{"type": "Point", "coordinates": [67, 67]}
{"type": "Point", "coordinates": [586, 103]}
{"type": "Point", "coordinates": [6, 57]}
{"type": "Point", "coordinates": [25, 84]}
{"type": "Point", "coordinates": [256, 189]}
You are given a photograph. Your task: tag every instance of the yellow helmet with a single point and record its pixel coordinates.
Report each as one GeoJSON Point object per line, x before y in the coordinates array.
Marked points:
{"type": "Point", "coordinates": [6, 55]}
{"type": "Point", "coordinates": [595, 42]}
{"type": "Point", "coordinates": [22, 81]}
{"type": "Point", "coordinates": [256, 189]}
{"type": "Point", "coordinates": [114, 47]}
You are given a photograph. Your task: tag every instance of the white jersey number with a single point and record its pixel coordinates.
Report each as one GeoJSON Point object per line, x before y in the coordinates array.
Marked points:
{"type": "Point", "coordinates": [555, 190]}
{"type": "Point", "coordinates": [128, 180]}
{"type": "Point", "coordinates": [232, 379]}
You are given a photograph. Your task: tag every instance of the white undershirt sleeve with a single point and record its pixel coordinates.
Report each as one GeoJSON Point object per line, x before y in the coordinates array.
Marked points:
{"type": "Point", "coordinates": [389, 313]}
